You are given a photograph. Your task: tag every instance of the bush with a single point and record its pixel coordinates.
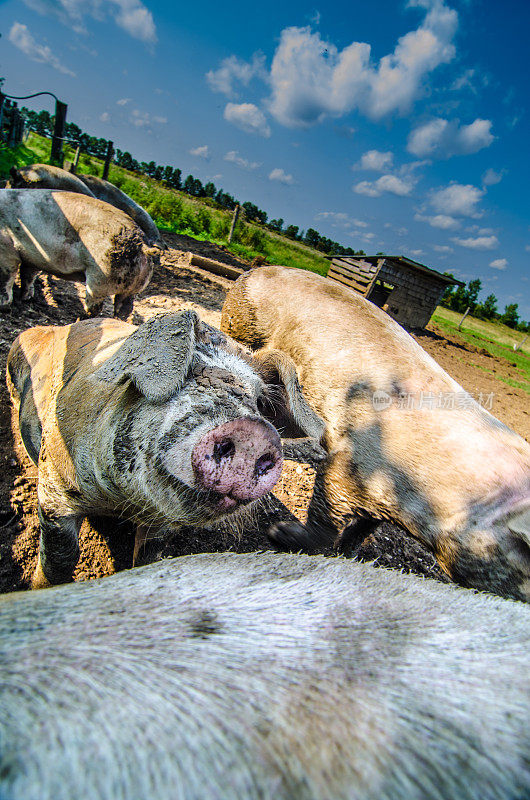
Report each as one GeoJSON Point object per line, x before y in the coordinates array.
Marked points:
{"type": "Point", "coordinates": [204, 220]}
{"type": "Point", "coordinates": [221, 226]}
{"type": "Point", "coordinates": [252, 237]}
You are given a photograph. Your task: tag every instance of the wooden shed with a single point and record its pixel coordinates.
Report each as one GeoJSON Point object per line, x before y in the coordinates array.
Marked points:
{"type": "Point", "coordinates": [407, 290]}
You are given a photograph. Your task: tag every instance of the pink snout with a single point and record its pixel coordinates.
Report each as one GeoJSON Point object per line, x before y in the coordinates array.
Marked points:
{"type": "Point", "coordinates": [241, 460]}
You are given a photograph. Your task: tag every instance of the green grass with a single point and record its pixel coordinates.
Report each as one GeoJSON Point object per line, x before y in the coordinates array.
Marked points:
{"type": "Point", "coordinates": [497, 339]}
{"type": "Point", "coordinates": [177, 212]}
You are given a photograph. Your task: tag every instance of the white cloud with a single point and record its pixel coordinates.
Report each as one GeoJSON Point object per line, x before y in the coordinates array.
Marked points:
{"type": "Point", "coordinates": [202, 151]}
{"type": "Point", "coordinates": [417, 252]}
{"type": "Point", "coordinates": [457, 198]}
{"type": "Point", "coordinates": [441, 138]}
{"type": "Point", "coordinates": [386, 183]}
{"type": "Point", "coordinates": [527, 248]}
{"type": "Point", "coordinates": [490, 177]}
{"type": "Point", "coordinates": [376, 160]}
{"type": "Point", "coordinates": [105, 117]}
{"type": "Point", "coordinates": [123, 101]}
{"type": "Point", "coordinates": [280, 175]}
{"type": "Point", "coordinates": [20, 36]}
{"type": "Point", "coordinates": [233, 69]}
{"type": "Point", "coordinates": [248, 118]}
{"type": "Point", "coordinates": [477, 242]}
{"type": "Point", "coordinates": [341, 220]}
{"type": "Point", "coordinates": [499, 263]}
{"type": "Point", "coordinates": [141, 119]}
{"type": "Point", "coordinates": [311, 79]}
{"type": "Point", "coordinates": [131, 15]}
{"type": "Point", "coordinates": [443, 248]}
{"type": "Point", "coordinates": [233, 157]}
{"type": "Point", "coordinates": [442, 221]}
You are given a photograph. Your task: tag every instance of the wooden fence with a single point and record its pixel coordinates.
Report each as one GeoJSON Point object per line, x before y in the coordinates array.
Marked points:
{"type": "Point", "coordinates": [11, 123]}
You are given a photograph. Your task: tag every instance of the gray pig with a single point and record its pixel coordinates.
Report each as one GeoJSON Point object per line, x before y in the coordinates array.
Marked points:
{"type": "Point", "coordinates": [456, 478]}
{"type": "Point", "coordinates": [45, 176]}
{"type": "Point", "coordinates": [76, 238]}
{"type": "Point", "coordinates": [104, 190]}
{"type": "Point", "coordinates": [263, 677]}
{"type": "Point", "coordinates": [160, 424]}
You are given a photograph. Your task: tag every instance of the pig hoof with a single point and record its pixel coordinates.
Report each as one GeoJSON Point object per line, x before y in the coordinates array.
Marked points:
{"type": "Point", "coordinates": [290, 536]}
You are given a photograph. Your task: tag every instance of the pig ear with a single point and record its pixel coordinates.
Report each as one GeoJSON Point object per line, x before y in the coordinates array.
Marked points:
{"type": "Point", "coordinates": [156, 357]}
{"type": "Point", "coordinates": [277, 368]}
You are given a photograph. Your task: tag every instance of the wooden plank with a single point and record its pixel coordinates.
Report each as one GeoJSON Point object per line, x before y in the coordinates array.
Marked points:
{"type": "Point", "coordinates": [347, 282]}
{"type": "Point", "coordinates": [360, 287]}
{"type": "Point", "coordinates": [351, 274]}
{"type": "Point", "coordinates": [217, 267]}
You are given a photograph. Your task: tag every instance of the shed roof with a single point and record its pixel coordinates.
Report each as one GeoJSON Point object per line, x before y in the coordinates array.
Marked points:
{"type": "Point", "coordinates": [398, 261]}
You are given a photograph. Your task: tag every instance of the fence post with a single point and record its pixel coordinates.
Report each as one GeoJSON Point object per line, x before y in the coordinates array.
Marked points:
{"type": "Point", "coordinates": [58, 132]}
{"type": "Point", "coordinates": [12, 135]}
{"type": "Point", "coordinates": [2, 102]}
{"type": "Point", "coordinates": [234, 222]}
{"type": "Point", "coordinates": [108, 159]}
{"type": "Point", "coordinates": [517, 347]}
{"type": "Point", "coordinates": [76, 158]}
{"type": "Point", "coordinates": [463, 318]}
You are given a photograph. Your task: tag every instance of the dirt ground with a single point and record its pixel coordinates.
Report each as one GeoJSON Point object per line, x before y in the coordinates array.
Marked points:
{"type": "Point", "coordinates": [107, 544]}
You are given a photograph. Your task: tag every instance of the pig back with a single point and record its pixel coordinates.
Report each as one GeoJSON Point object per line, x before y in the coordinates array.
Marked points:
{"type": "Point", "coordinates": [263, 676]}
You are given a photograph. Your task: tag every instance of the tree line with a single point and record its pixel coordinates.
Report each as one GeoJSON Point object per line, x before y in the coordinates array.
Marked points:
{"type": "Point", "coordinates": [42, 122]}
{"type": "Point", "coordinates": [459, 298]}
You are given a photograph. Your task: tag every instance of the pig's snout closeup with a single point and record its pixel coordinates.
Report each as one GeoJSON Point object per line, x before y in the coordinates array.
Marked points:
{"type": "Point", "coordinates": [240, 460]}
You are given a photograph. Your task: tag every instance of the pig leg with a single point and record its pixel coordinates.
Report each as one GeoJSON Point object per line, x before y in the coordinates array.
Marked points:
{"type": "Point", "coordinates": [93, 302]}
{"type": "Point", "coordinates": [27, 281]}
{"type": "Point", "coordinates": [59, 548]}
{"type": "Point", "coordinates": [9, 266]}
{"type": "Point", "coordinates": [330, 514]}
{"type": "Point", "coordinates": [139, 542]}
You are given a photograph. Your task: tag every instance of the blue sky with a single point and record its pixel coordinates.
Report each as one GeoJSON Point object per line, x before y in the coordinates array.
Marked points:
{"type": "Point", "coordinates": [393, 126]}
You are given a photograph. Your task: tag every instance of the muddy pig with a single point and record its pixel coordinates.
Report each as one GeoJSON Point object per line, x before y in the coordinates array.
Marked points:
{"type": "Point", "coordinates": [263, 677]}
{"type": "Point", "coordinates": [45, 176]}
{"type": "Point", "coordinates": [74, 237]}
{"type": "Point", "coordinates": [455, 477]}
{"type": "Point", "coordinates": [162, 424]}
{"type": "Point", "coordinates": [104, 190]}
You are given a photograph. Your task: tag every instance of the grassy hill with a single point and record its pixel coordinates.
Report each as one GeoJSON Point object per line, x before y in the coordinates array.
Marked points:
{"type": "Point", "coordinates": [177, 212]}
{"type": "Point", "coordinates": [497, 339]}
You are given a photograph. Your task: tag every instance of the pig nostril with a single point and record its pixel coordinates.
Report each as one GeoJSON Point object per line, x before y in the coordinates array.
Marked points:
{"type": "Point", "coordinates": [264, 464]}
{"type": "Point", "coordinates": [223, 449]}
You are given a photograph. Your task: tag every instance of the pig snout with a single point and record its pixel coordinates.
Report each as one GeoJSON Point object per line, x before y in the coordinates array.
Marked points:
{"type": "Point", "coordinates": [240, 460]}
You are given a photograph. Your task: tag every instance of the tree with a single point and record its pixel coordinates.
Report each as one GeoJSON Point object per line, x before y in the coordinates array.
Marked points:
{"type": "Point", "coordinates": [210, 190]}
{"type": "Point", "coordinates": [510, 316]}
{"type": "Point", "coordinates": [189, 184]}
{"type": "Point", "coordinates": [473, 289]}
{"type": "Point", "coordinates": [312, 237]}
{"type": "Point", "coordinates": [487, 309]}
{"type": "Point", "coordinates": [292, 231]}
{"type": "Point", "coordinates": [276, 224]}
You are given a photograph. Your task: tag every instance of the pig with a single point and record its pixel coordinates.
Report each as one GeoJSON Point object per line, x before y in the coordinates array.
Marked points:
{"type": "Point", "coordinates": [263, 676]}
{"type": "Point", "coordinates": [164, 425]}
{"type": "Point", "coordinates": [44, 176]}
{"type": "Point", "coordinates": [455, 478]}
{"type": "Point", "coordinates": [104, 190]}
{"type": "Point", "coordinates": [76, 238]}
